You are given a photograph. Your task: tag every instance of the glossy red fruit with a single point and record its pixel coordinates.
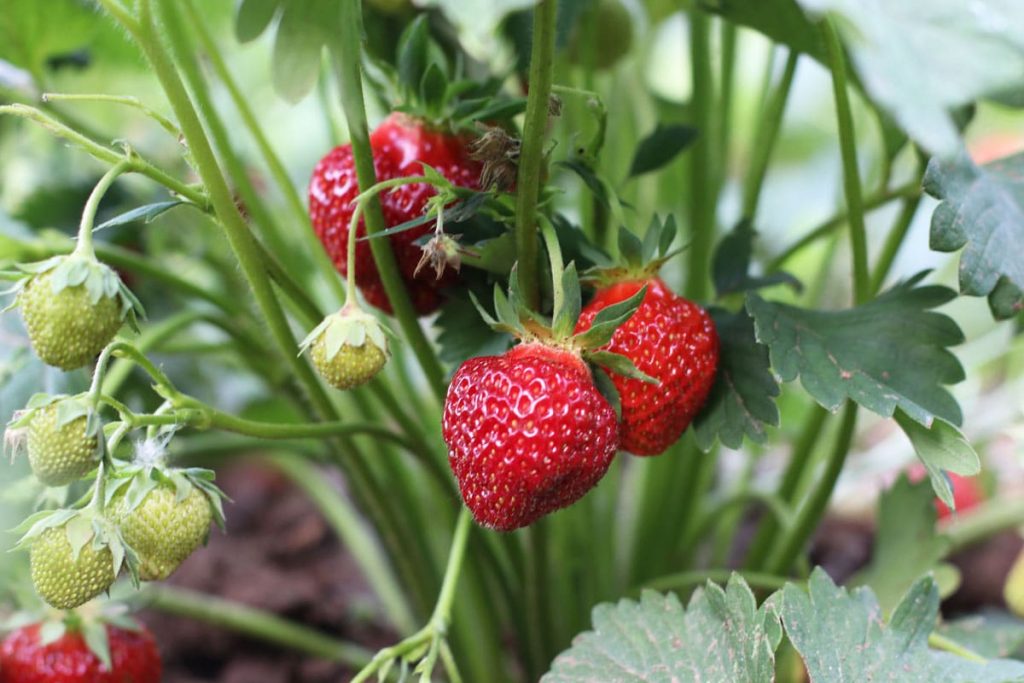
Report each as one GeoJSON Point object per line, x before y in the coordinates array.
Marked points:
{"type": "Point", "coordinates": [400, 143]}
{"type": "Point", "coordinates": [69, 660]}
{"type": "Point", "coordinates": [528, 433]}
{"type": "Point", "coordinates": [674, 341]}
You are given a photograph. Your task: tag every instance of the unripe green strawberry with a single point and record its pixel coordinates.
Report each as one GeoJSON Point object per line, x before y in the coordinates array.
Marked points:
{"type": "Point", "coordinates": [73, 306]}
{"type": "Point", "coordinates": [350, 366]}
{"type": "Point", "coordinates": [348, 348]}
{"type": "Point", "coordinates": [66, 329]}
{"type": "Point", "coordinates": [162, 530]}
{"type": "Point", "coordinates": [60, 453]}
{"type": "Point", "coordinates": [61, 579]}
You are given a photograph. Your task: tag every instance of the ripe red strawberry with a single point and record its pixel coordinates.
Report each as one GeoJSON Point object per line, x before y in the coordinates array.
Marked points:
{"type": "Point", "coordinates": [133, 655]}
{"type": "Point", "coordinates": [400, 143]}
{"type": "Point", "coordinates": [674, 341]}
{"type": "Point", "coordinates": [528, 433]}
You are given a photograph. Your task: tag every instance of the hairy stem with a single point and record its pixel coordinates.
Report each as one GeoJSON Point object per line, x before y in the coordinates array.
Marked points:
{"type": "Point", "coordinates": [531, 157]}
{"type": "Point", "coordinates": [851, 174]}
{"type": "Point", "coordinates": [84, 247]}
{"type": "Point", "coordinates": [347, 55]}
{"type": "Point", "coordinates": [702, 201]}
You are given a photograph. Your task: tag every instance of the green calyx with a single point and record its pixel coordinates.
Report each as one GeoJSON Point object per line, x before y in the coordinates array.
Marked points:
{"type": "Point", "coordinates": [62, 436]}
{"type": "Point", "coordinates": [348, 348]}
{"type": "Point", "coordinates": [75, 555]}
{"type": "Point", "coordinates": [514, 317]}
{"type": "Point", "coordinates": [72, 305]}
{"type": "Point", "coordinates": [638, 259]}
{"type": "Point", "coordinates": [423, 83]}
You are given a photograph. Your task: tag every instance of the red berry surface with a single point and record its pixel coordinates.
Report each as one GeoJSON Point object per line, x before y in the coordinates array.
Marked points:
{"type": "Point", "coordinates": [528, 433]}
{"type": "Point", "coordinates": [674, 341]}
{"type": "Point", "coordinates": [69, 660]}
{"type": "Point", "coordinates": [400, 143]}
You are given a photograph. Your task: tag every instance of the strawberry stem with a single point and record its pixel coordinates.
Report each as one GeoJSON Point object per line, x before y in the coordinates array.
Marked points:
{"type": "Point", "coordinates": [361, 200]}
{"type": "Point", "coordinates": [85, 247]}
{"type": "Point", "coordinates": [531, 157]}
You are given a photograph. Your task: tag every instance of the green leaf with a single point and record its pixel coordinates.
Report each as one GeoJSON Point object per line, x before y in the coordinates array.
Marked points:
{"type": "Point", "coordinates": [1006, 301]}
{"type": "Point", "coordinates": [781, 20]}
{"type": "Point", "coordinates": [94, 633]}
{"type": "Point", "coordinates": [606, 387]}
{"type": "Point", "coordinates": [982, 211]}
{"type": "Point", "coordinates": [906, 544]}
{"type": "Point", "coordinates": [306, 27]}
{"type": "Point", "coordinates": [608, 319]}
{"type": "Point", "coordinates": [742, 399]}
{"type": "Point", "coordinates": [620, 365]}
{"type": "Point", "coordinates": [588, 176]}
{"type": "Point", "coordinates": [940, 448]}
{"type": "Point", "coordinates": [413, 48]}
{"type": "Point", "coordinates": [920, 58]}
{"type": "Point", "coordinates": [253, 18]}
{"type": "Point", "coordinates": [463, 334]}
{"type": "Point", "coordinates": [721, 637]}
{"type": "Point", "coordinates": [565, 319]}
{"type": "Point", "coordinates": [730, 268]}
{"type": "Point", "coordinates": [660, 147]}
{"type": "Point", "coordinates": [990, 634]}
{"type": "Point", "coordinates": [496, 255]}
{"type": "Point", "coordinates": [842, 637]}
{"type": "Point", "coordinates": [142, 213]}
{"type": "Point", "coordinates": [888, 353]}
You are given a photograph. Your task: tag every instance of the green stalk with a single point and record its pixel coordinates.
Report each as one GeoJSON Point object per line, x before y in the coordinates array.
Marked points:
{"type": "Point", "coordinates": [893, 242]}
{"type": "Point", "coordinates": [727, 78]}
{"type": "Point", "coordinates": [84, 247]}
{"type": "Point", "coordinates": [347, 53]}
{"type": "Point", "coordinates": [767, 135]}
{"type": "Point", "coordinates": [531, 156]}
{"type": "Point", "coordinates": [803, 449]}
{"type": "Point", "coordinates": [851, 174]}
{"type": "Point", "coordinates": [702, 201]}
{"type": "Point", "coordinates": [103, 153]}
{"type": "Point", "coordinates": [127, 101]}
{"type": "Point", "coordinates": [273, 161]}
{"type": "Point", "coordinates": [810, 512]}
{"type": "Point", "coordinates": [253, 622]}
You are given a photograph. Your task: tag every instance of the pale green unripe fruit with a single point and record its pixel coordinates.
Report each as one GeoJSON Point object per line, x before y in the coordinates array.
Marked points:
{"type": "Point", "coordinates": [163, 531]}
{"type": "Point", "coordinates": [62, 454]}
{"type": "Point", "coordinates": [351, 366]}
{"type": "Point", "coordinates": [63, 581]}
{"type": "Point", "coordinates": [66, 329]}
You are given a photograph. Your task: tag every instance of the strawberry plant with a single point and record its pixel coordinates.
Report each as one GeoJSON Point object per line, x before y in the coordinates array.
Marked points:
{"type": "Point", "coordinates": [610, 340]}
